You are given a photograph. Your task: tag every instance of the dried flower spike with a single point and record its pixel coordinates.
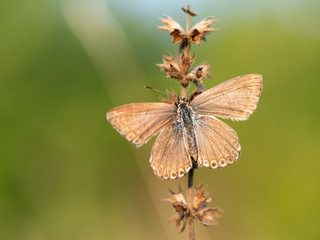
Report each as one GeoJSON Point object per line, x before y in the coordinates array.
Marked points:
{"type": "Point", "coordinates": [173, 28]}
{"type": "Point", "coordinates": [190, 134]}
{"type": "Point", "coordinates": [172, 67]}
{"type": "Point", "coordinates": [200, 30]}
{"type": "Point", "coordinates": [182, 37]}
{"type": "Point", "coordinates": [177, 69]}
{"type": "Point", "coordinates": [198, 73]}
{"type": "Point", "coordinates": [206, 216]}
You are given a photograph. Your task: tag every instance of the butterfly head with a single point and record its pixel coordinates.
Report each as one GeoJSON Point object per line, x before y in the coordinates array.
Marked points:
{"type": "Point", "coordinates": [182, 103]}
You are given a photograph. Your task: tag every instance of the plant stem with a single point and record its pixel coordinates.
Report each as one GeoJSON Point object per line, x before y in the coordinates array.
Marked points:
{"type": "Point", "coordinates": [190, 223]}
{"type": "Point", "coordinates": [188, 20]}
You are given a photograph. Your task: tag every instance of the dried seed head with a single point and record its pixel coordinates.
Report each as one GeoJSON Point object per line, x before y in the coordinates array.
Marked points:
{"type": "Point", "coordinates": [196, 92]}
{"type": "Point", "coordinates": [198, 73]}
{"type": "Point", "coordinates": [200, 198]}
{"type": "Point", "coordinates": [207, 216]}
{"type": "Point", "coordinates": [177, 219]}
{"type": "Point", "coordinates": [200, 30]}
{"type": "Point", "coordinates": [177, 198]}
{"type": "Point", "coordinates": [171, 67]}
{"type": "Point", "coordinates": [186, 62]}
{"type": "Point", "coordinates": [199, 210]}
{"type": "Point", "coordinates": [180, 36]}
{"type": "Point", "coordinates": [173, 28]}
{"type": "Point", "coordinates": [176, 69]}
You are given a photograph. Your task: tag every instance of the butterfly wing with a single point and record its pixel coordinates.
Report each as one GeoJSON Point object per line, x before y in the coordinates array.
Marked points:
{"type": "Point", "coordinates": [138, 122]}
{"type": "Point", "coordinates": [169, 156]}
{"type": "Point", "coordinates": [236, 98]}
{"type": "Point", "coordinates": [218, 144]}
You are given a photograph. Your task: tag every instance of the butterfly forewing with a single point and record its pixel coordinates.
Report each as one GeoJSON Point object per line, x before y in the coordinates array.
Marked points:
{"type": "Point", "coordinates": [218, 144]}
{"type": "Point", "coordinates": [169, 157]}
{"type": "Point", "coordinates": [138, 122]}
{"type": "Point", "coordinates": [236, 98]}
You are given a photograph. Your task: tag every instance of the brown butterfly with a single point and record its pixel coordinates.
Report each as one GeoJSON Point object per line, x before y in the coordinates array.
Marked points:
{"type": "Point", "coordinates": [189, 129]}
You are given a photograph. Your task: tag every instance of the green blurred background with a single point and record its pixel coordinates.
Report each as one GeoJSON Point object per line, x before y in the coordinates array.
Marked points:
{"type": "Point", "coordinates": [66, 174]}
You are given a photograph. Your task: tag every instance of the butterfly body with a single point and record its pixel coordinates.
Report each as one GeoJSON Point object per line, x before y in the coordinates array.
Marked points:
{"type": "Point", "coordinates": [185, 114]}
{"type": "Point", "coordinates": [189, 130]}
{"type": "Point", "coordinates": [187, 119]}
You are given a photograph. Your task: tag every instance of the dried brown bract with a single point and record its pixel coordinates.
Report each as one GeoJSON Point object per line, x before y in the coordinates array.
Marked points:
{"type": "Point", "coordinates": [196, 92]}
{"type": "Point", "coordinates": [186, 62]}
{"type": "Point", "coordinates": [172, 67]}
{"type": "Point", "coordinates": [189, 11]}
{"type": "Point", "coordinates": [207, 216]}
{"type": "Point", "coordinates": [172, 97]}
{"type": "Point", "coordinates": [177, 68]}
{"type": "Point", "coordinates": [173, 28]}
{"type": "Point", "coordinates": [200, 30]}
{"type": "Point", "coordinates": [198, 73]}
{"type": "Point", "coordinates": [184, 37]}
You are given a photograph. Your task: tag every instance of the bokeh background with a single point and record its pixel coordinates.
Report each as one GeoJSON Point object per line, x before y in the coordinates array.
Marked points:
{"type": "Point", "coordinates": [66, 174]}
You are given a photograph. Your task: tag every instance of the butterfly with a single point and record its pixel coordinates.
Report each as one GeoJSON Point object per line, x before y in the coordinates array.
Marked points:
{"type": "Point", "coordinates": [189, 129]}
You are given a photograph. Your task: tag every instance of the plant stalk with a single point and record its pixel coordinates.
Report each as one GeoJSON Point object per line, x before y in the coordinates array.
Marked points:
{"type": "Point", "coordinates": [190, 223]}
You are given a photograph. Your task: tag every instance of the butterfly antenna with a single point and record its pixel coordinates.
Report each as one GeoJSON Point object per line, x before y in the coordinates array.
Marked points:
{"type": "Point", "coordinates": [156, 90]}
{"type": "Point", "coordinates": [189, 86]}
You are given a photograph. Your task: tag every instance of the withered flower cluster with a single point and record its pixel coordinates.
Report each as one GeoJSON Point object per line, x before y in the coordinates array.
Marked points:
{"type": "Point", "coordinates": [194, 35]}
{"type": "Point", "coordinates": [197, 211]}
{"type": "Point", "coordinates": [179, 67]}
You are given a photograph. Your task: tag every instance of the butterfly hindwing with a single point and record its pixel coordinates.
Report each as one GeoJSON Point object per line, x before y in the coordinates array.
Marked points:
{"type": "Point", "coordinates": [236, 98]}
{"type": "Point", "coordinates": [138, 122]}
{"type": "Point", "coordinates": [169, 156]}
{"type": "Point", "coordinates": [218, 144]}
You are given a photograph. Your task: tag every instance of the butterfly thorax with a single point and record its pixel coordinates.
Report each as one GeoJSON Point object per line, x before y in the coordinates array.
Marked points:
{"type": "Point", "coordinates": [186, 119]}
